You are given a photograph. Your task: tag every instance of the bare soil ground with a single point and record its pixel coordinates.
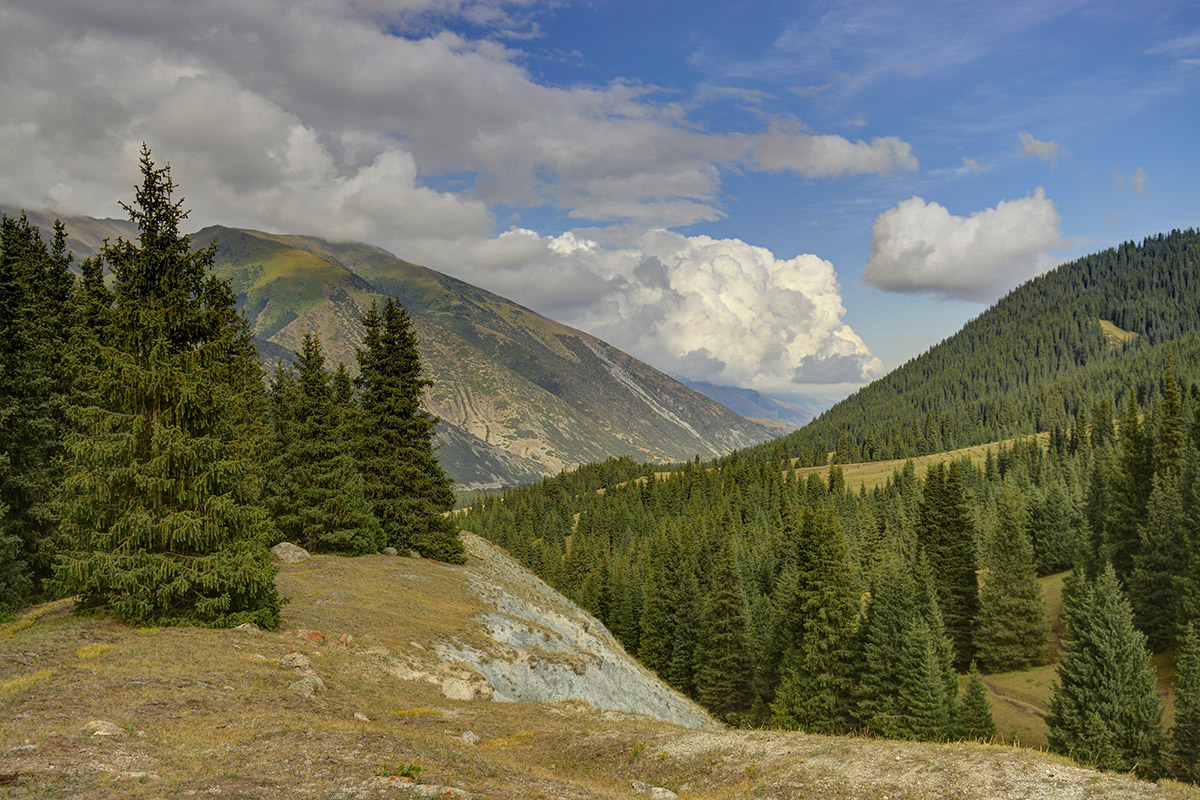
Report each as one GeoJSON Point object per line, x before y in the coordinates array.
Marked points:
{"type": "Point", "coordinates": [208, 713]}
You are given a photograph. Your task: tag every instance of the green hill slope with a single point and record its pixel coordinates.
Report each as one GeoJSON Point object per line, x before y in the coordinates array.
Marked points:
{"type": "Point", "coordinates": [1030, 363]}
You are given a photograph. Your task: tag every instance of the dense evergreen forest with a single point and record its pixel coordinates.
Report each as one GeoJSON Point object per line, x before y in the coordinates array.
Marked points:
{"type": "Point", "coordinates": [1036, 361]}
{"type": "Point", "coordinates": [779, 599]}
{"type": "Point", "coordinates": [146, 467]}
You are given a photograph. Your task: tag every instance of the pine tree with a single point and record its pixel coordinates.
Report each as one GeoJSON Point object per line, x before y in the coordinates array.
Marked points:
{"type": "Point", "coordinates": [1131, 492]}
{"type": "Point", "coordinates": [722, 653]}
{"type": "Point", "coordinates": [318, 497]}
{"type": "Point", "coordinates": [159, 520]}
{"type": "Point", "coordinates": [1185, 735]}
{"type": "Point", "coordinates": [405, 485]}
{"type": "Point", "coordinates": [925, 709]}
{"type": "Point", "coordinates": [682, 671]}
{"type": "Point", "coordinates": [947, 536]}
{"type": "Point", "coordinates": [35, 288]}
{"type": "Point", "coordinates": [1012, 629]}
{"type": "Point", "coordinates": [815, 689]}
{"type": "Point", "coordinates": [1158, 582]}
{"type": "Point", "coordinates": [1104, 711]}
{"type": "Point", "coordinates": [882, 636]}
{"type": "Point", "coordinates": [974, 716]}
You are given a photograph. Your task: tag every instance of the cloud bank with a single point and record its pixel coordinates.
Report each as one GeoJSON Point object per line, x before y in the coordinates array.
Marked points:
{"type": "Point", "coordinates": [718, 310]}
{"type": "Point", "coordinates": [922, 247]}
{"type": "Point", "coordinates": [375, 121]}
{"type": "Point", "coordinates": [261, 100]}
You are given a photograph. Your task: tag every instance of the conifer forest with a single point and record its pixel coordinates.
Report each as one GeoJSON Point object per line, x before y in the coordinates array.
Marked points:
{"type": "Point", "coordinates": [148, 461]}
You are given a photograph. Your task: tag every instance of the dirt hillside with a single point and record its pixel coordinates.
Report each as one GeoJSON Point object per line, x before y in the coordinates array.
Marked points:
{"type": "Point", "coordinates": [397, 677]}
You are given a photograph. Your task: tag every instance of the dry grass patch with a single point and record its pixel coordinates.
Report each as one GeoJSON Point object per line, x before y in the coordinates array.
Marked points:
{"type": "Point", "coordinates": [90, 651]}
{"type": "Point", "coordinates": [22, 682]}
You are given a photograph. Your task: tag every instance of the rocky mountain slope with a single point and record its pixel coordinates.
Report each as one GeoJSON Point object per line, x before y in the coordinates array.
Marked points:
{"type": "Point", "coordinates": [520, 396]}
{"type": "Point", "coordinates": [398, 677]}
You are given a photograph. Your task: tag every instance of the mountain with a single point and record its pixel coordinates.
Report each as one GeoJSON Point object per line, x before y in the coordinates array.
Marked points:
{"type": "Point", "coordinates": [435, 681]}
{"type": "Point", "coordinates": [1035, 361]}
{"type": "Point", "coordinates": [520, 396]}
{"type": "Point", "coordinates": [535, 396]}
{"type": "Point", "coordinates": [785, 413]}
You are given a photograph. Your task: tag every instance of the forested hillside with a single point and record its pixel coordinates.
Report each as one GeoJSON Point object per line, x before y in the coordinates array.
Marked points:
{"type": "Point", "coordinates": [790, 601]}
{"type": "Point", "coordinates": [1037, 360]}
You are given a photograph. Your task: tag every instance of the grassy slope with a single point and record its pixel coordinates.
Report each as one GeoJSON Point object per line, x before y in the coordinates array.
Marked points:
{"type": "Point", "coordinates": [876, 473]}
{"type": "Point", "coordinates": [205, 712]}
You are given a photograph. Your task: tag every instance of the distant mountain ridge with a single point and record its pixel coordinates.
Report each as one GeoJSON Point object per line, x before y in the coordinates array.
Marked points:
{"type": "Point", "coordinates": [753, 404]}
{"type": "Point", "coordinates": [521, 396]}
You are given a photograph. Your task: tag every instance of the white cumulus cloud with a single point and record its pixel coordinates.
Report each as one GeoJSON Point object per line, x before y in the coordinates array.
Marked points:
{"type": "Point", "coordinates": [718, 310]}
{"type": "Point", "coordinates": [922, 247]}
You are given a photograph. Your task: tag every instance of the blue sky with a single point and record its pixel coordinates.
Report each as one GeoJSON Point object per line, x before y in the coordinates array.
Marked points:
{"type": "Point", "coordinates": [794, 197]}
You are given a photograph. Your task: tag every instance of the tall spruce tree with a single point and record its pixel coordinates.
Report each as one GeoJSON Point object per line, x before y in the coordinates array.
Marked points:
{"type": "Point", "coordinates": [1012, 629]}
{"type": "Point", "coordinates": [817, 670]}
{"type": "Point", "coordinates": [947, 535]}
{"type": "Point", "coordinates": [1131, 491]}
{"type": "Point", "coordinates": [1158, 584]}
{"type": "Point", "coordinates": [35, 288]}
{"type": "Point", "coordinates": [1104, 711]}
{"type": "Point", "coordinates": [318, 499]}
{"type": "Point", "coordinates": [1185, 734]}
{"type": "Point", "coordinates": [159, 519]}
{"type": "Point", "coordinates": [722, 652]}
{"type": "Point", "coordinates": [405, 484]}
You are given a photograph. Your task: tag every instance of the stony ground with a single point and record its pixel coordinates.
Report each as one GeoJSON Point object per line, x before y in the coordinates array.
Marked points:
{"type": "Point", "coordinates": [91, 708]}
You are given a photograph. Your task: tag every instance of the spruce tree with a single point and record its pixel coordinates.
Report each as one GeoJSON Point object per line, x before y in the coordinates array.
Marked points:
{"type": "Point", "coordinates": [1159, 580]}
{"type": "Point", "coordinates": [1185, 734]}
{"type": "Point", "coordinates": [922, 700]}
{"type": "Point", "coordinates": [405, 485]}
{"type": "Point", "coordinates": [1131, 492]}
{"type": "Point", "coordinates": [159, 520]}
{"type": "Point", "coordinates": [947, 535]}
{"type": "Point", "coordinates": [1104, 711]}
{"type": "Point", "coordinates": [1012, 629]}
{"type": "Point", "coordinates": [882, 636]}
{"type": "Point", "coordinates": [815, 690]}
{"type": "Point", "coordinates": [318, 497]}
{"type": "Point", "coordinates": [35, 288]}
{"type": "Point", "coordinates": [722, 653]}
{"type": "Point", "coordinates": [975, 720]}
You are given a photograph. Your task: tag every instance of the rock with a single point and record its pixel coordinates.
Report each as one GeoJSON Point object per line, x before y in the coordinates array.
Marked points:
{"type": "Point", "coordinates": [389, 551]}
{"type": "Point", "coordinates": [316, 679]}
{"type": "Point", "coordinates": [457, 689]}
{"type": "Point", "coordinates": [361, 717]}
{"type": "Point", "coordinates": [305, 687]}
{"type": "Point", "coordinates": [249, 627]}
{"type": "Point", "coordinates": [654, 792]}
{"type": "Point", "coordinates": [433, 790]}
{"type": "Point", "coordinates": [99, 727]}
{"type": "Point", "coordinates": [316, 637]}
{"type": "Point", "coordinates": [345, 639]}
{"type": "Point", "coordinates": [296, 661]}
{"type": "Point", "coordinates": [288, 553]}
{"type": "Point", "coordinates": [471, 738]}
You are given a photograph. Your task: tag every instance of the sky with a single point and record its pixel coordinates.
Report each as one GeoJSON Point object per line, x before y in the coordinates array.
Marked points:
{"type": "Point", "coordinates": [786, 196]}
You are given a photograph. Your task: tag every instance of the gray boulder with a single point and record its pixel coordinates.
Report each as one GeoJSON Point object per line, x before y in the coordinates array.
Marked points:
{"type": "Point", "coordinates": [288, 553]}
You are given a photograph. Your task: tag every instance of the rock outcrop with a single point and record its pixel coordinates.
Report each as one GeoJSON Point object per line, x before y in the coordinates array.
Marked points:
{"type": "Point", "coordinates": [547, 649]}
